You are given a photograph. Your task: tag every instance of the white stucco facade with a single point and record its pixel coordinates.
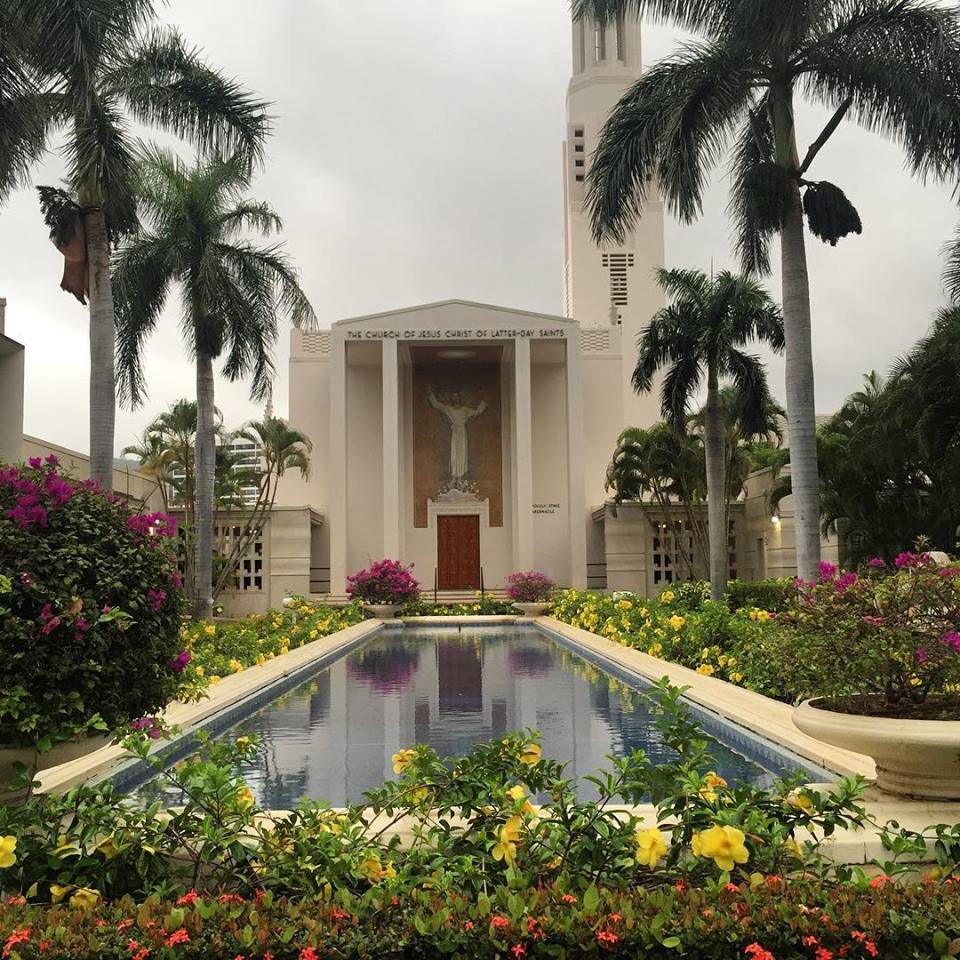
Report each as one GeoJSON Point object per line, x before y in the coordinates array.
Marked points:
{"type": "Point", "coordinates": [523, 451]}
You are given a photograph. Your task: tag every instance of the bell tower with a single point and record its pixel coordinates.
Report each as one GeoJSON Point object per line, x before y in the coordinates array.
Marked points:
{"type": "Point", "coordinates": [611, 285]}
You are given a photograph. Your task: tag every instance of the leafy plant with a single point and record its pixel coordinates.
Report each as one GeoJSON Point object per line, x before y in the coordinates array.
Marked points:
{"type": "Point", "coordinates": [386, 581]}
{"type": "Point", "coordinates": [530, 587]}
{"type": "Point", "coordinates": [92, 627]}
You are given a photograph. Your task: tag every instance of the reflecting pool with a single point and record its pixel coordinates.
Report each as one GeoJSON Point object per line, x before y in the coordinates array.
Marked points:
{"type": "Point", "coordinates": [332, 737]}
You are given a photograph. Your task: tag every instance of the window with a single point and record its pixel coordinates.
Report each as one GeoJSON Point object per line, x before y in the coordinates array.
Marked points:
{"type": "Point", "coordinates": [579, 178]}
{"type": "Point", "coordinates": [599, 45]}
{"type": "Point", "coordinates": [618, 264]}
{"type": "Point", "coordinates": [578, 133]}
{"type": "Point", "coordinates": [579, 163]}
{"type": "Point", "coordinates": [578, 148]}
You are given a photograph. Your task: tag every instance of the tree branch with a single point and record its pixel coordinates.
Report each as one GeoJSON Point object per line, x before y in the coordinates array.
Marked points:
{"type": "Point", "coordinates": [825, 135]}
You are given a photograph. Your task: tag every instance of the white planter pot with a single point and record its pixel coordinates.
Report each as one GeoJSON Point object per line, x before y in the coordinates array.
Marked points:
{"type": "Point", "coordinates": [382, 611]}
{"type": "Point", "coordinates": [531, 609]}
{"type": "Point", "coordinates": [914, 758]}
{"type": "Point", "coordinates": [37, 762]}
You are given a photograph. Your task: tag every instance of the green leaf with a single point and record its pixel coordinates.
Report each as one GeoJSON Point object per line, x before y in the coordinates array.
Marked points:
{"type": "Point", "coordinates": [591, 899]}
{"type": "Point", "coordinates": [671, 942]}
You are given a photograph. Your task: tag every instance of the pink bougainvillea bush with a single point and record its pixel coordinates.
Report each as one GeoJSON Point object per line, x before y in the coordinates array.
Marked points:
{"type": "Point", "coordinates": [529, 587]}
{"type": "Point", "coordinates": [386, 581]}
{"type": "Point", "coordinates": [91, 608]}
{"type": "Point", "coordinates": [884, 640]}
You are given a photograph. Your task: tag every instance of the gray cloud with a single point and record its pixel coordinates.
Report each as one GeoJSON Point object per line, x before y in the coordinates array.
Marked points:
{"type": "Point", "coordinates": [417, 157]}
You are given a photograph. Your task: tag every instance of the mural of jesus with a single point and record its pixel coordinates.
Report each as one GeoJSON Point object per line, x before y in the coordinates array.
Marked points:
{"type": "Point", "coordinates": [458, 416]}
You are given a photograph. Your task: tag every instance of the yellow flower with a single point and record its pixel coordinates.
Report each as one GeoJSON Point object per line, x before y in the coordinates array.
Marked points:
{"type": "Point", "coordinates": [677, 622]}
{"type": "Point", "coordinates": [215, 679]}
{"type": "Point", "coordinates": [736, 677]}
{"type": "Point", "coordinates": [85, 898]}
{"type": "Point", "coordinates": [655, 650]}
{"type": "Point", "coordinates": [374, 871]}
{"type": "Point", "coordinates": [723, 845]}
{"type": "Point", "coordinates": [518, 793]}
{"type": "Point", "coordinates": [209, 629]}
{"type": "Point", "coordinates": [402, 759]}
{"type": "Point", "coordinates": [236, 666]}
{"type": "Point", "coordinates": [712, 783]}
{"type": "Point", "coordinates": [731, 661]}
{"type": "Point", "coordinates": [198, 671]}
{"type": "Point", "coordinates": [7, 856]}
{"type": "Point", "coordinates": [58, 892]}
{"type": "Point", "coordinates": [261, 660]}
{"type": "Point", "coordinates": [245, 798]}
{"type": "Point", "coordinates": [531, 754]}
{"type": "Point", "coordinates": [420, 794]}
{"type": "Point", "coordinates": [624, 605]}
{"type": "Point", "coordinates": [666, 596]}
{"type": "Point", "coordinates": [794, 848]}
{"type": "Point", "coordinates": [108, 848]}
{"type": "Point", "coordinates": [651, 846]}
{"type": "Point", "coordinates": [313, 634]}
{"type": "Point", "coordinates": [763, 615]}
{"type": "Point", "coordinates": [802, 801]}
{"type": "Point", "coordinates": [705, 669]}
{"type": "Point", "coordinates": [505, 848]}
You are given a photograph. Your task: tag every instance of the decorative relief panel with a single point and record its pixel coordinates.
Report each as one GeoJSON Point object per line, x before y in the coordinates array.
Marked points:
{"type": "Point", "coordinates": [457, 447]}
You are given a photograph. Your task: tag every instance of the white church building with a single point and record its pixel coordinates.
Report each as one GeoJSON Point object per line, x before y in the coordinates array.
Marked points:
{"type": "Point", "coordinates": [470, 439]}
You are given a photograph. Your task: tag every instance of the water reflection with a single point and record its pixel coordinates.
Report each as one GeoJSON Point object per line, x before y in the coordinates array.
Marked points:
{"type": "Point", "coordinates": [332, 738]}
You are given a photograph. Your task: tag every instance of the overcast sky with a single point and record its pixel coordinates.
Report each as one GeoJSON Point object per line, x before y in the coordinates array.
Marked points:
{"type": "Point", "coordinates": [417, 157]}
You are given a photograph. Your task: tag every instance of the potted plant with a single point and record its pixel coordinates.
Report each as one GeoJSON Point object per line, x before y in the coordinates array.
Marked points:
{"type": "Point", "coordinates": [384, 587]}
{"type": "Point", "coordinates": [530, 592]}
{"type": "Point", "coordinates": [89, 618]}
{"type": "Point", "coordinates": [878, 653]}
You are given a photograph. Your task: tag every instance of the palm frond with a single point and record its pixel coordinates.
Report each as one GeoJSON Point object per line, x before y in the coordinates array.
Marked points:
{"type": "Point", "coordinates": [166, 83]}
{"type": "Point", "coordinates": [672, 126]}
{"type": "Point", "coordinates": [705, 15]}
{"type": "Point", "coordinates": [142, 272]}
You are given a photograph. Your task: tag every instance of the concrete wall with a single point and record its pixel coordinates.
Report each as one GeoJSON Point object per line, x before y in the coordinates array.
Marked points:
{"type": "Point", "coordinates": [11, 394]}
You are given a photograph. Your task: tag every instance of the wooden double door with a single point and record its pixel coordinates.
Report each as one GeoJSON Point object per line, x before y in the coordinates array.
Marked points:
{"type": "Point", "coordinates": [458, 552]}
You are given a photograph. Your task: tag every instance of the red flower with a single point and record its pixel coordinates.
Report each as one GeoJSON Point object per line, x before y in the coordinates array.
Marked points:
{"type": "Point", "coordinates": [142, 955]}
{"type": "Point", "coordinates": [878, 882]}
{"type": "Point", "coordinates": [568, 898]}
{"type": "Point", "coordinates": [757, 952]}
{"type": "Point", "coordinates": [308, 953]}
{"type": "Point", "coordinates": [19, 935]}
{"type": "Point", "coordinates": [178, 936]}
{"type": "Point", "coordinates": [498, 922]}
{"type": "Point", "coordinates": [823, 954]}
{"type": "Point", "coordinates": [187, 899]}
{"type": "Point", "coordinates": [606, 938]}
{"type": "Point", "coordinates": [519, 951]}
{"type": "Point", "coordinates": [468, 925]}
{"type": "Point", "coordinates": [124, 924]}
{"type": "Point", "coordinates": [810, 941]}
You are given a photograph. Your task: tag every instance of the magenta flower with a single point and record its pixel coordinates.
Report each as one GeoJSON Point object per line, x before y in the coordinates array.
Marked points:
{"type": "Point", "coordinates": [827, 570]}
{"type": "Point", "coordinates": [50, 625]}
{"type": "Point", "coordinates": [952, 639]}
{"type": "Point", "coordinates": [156, 598]}
{"type": "Point", "coordinates": [148, 725]}
{"type": "Point", "coordinates": [874, 621]}
{"type": "Point", "coordinates": [26, 579]}
{"type": "Point", "coordinates": [922, 655]}
{"type": "Point", "coordinates": [876, 562]}
{"type": "Point", "coordinates": [35, 463]}
{"type": "Point", "coordinates": [179, 663]}
{"type": "Point", "coordinates": [846, 581]}
{"type": "Point", "coordinates": [52, 460]}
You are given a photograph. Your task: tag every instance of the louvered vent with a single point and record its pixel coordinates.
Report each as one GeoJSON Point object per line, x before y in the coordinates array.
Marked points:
{"type": "Point", "coordinates": [594, 341]}
{"type": "Point", "coordinates": [316, 342]}
{"type": "Point", "coordinates": [618, 264]}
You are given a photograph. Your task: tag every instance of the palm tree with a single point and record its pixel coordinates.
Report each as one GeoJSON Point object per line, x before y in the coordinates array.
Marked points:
{"type": "Point", "coordinates": [155, 460]}
{"type": "Point", "coordinates": [699, 335]}
{"type": "Point", "coordinates": [97, 67]}
{"type": "Point", "coordinates": [281, 448]}
{"type": "Point", "coordinates": [232, 289]}
{"type": "Point", "coordinates": [891, 65]}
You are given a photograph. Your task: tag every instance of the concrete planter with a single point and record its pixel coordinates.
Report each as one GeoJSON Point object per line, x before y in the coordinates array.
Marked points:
{"type": "Point", "coordinates": [61, 753]}
{"type": "Point", "coordinates": [382, 611]}
{"type": "Point", "coordinates": [914, 758]}
{"type": "Point", "coordinates": [531, 609]}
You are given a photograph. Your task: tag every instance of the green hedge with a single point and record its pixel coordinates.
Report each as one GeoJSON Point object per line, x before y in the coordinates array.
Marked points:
{"type": "Point", "coordinates": [772, 595]}
{"type": "Point", "coordinates": [773, 921]}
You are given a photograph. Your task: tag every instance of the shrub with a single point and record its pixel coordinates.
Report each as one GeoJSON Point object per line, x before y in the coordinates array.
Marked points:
{"type": "Point", "coordinates": [90, 635]}
{"type": "Point", "coordinates": [529, 587]}
{"type": "Point", "coordinates": [219, 649]}
{"type": "Point", "coordinates": [878, 642]}
{"type": "Point", "coordinates": [387, 581]}
{"type": "Point", "coordinates": [771, 595]}
{"type": "Point", "coordinates": [691, 594]}
{"type": "Point", "coordinates": [484, 605]}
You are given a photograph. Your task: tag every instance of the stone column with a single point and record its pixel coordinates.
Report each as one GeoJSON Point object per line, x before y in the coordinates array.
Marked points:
{"type": "Point", "coordinates": [338, 465]}
{"type": "Point", "coordinates": [522, 456]}
{"type": "Point", "coordinates": [391, 450]}
{"type": "Point", "coordinates": [577, 506]}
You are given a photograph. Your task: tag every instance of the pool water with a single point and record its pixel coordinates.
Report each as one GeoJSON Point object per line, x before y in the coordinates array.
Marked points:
{"type": "Point", "coordinates": [332, 737]}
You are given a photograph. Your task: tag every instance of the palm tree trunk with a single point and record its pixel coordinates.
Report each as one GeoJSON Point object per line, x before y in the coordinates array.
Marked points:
{"type": "Point", "coordinates": [714, 441]}
{"type": "Point", "coordinates": [204, 479]}
{"type": "Point", "coordinates": [801, 410]}
{"type": "Point", "coordinates": [102, 339]}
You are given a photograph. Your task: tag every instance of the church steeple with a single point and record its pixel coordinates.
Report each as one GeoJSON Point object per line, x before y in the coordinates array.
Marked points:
{"type": "Point", "coordinates": [613, 284]}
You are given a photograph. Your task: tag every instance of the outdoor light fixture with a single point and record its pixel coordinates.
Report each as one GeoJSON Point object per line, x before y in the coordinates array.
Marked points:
{"type": "Point", "coordinates": [456, 354]}
{"type": "Point", "coordinates": [775, 520]}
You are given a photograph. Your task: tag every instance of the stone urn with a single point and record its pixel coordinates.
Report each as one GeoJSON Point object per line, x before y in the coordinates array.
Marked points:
{"type": "Point", "coordinates": [66, 752]}
{"type": "Point", "coordinates": [914, 758]}
{"type": "Point", "coordinates": [531, 609]}
{"type": "Point", "coordinates": [382, 611]}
